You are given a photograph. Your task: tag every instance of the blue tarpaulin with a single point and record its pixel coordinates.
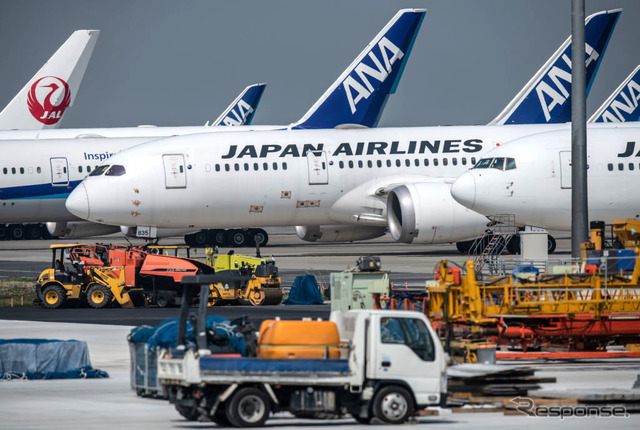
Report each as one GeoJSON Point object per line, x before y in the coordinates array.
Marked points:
{"type": "Point", "coordinates": [166, 334]}
{"type": "Point", "coordinates": [304, 291]}
{"type": "Point", "coordinates": [46, 359]}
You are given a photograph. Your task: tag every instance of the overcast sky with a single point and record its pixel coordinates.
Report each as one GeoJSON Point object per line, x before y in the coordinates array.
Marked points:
{"type": "Point", "coordinates": [182, 62]}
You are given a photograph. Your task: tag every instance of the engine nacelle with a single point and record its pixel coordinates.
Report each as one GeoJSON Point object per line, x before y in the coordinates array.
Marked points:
{"type": "Point", "coordinates": [78, 229]}
{"type": "Point", "coordinates": [425, 212]}
{"type": "Point", "coordinates": [338, 233]}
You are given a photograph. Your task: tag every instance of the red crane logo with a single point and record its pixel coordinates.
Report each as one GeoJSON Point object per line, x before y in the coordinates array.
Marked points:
{"type": "Point", "coordinates": [50, 88]}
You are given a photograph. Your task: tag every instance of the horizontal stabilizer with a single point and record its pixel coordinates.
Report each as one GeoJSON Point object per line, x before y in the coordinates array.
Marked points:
{"type": "Point", "coordinates": [622, 105]}
{"type": "Point", "coordinates": [42, 102]}
{"type": "Point", "coordinates": [546, 99]}
{"type": "Point", "coordinates": [242, 109]}
{"type": "Point", "coordinates": [359, 95]}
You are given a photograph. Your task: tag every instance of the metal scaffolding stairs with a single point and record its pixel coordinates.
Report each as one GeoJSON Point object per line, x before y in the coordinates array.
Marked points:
{"type": "Point", "coordinates": [493, 242]}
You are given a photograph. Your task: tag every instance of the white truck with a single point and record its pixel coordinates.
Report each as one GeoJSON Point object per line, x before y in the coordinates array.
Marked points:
{"type": "Point", "coordinates": [394, 365]}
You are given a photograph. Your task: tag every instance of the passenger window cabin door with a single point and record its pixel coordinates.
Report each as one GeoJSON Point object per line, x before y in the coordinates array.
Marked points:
{"type": "Point", "coordinates": [59, 171]}
{"type": "Point", "coordinates": [318, 171]}
{"type": "Point", "coordinates": [175, 174]}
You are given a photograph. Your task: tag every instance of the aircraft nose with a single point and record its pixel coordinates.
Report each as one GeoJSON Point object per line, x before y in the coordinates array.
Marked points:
{"type": "Point", "coordinates": [463, 190]}
{"type": "Point", "coordinates": [78, 202]}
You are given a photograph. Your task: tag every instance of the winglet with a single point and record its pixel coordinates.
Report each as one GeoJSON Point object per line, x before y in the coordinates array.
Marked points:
{"type": "Point", "coordinates": [359, 95]}
{"type": "Point", "coordinates": [546, 98]}
{"type": "Point", "coordinates": [42, 102]}
{"type": "Point", "coordinates": [622, 105]}
{"type": "Point", "coordinates": [242, 109]}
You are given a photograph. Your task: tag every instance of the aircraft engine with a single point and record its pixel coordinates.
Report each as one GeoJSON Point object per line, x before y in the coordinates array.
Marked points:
{"type": "Point", "coordinates": [78, 229]}
{"type": "Point", "coordinates": [338, 233]}
{"type": "Point", "coordinates": [424, 212]}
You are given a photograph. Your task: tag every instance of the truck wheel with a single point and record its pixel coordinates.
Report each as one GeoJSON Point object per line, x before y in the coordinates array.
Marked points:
{"type": "Point", "coordinates": [393, 405]}
{"type": "Point", "coordinates": [220, 417]}
{"type": "Point", "coordinates": [249, 407]}
{"type": "Point", "coordinates": [360, 419]}
{"type": "Point", "coordinates": [53, 296]}
{"type": "Point", "coordinates": [98, 296]}
{"type": "Point", "coordinates": [189, 412]}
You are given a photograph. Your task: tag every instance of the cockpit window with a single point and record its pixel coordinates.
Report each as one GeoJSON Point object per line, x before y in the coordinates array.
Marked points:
{"type": "Point", "coordinates": [116, 170]}
{"type": "Point", "coordinates": [99, 170]}
{"type": "Point", "coordinates": [484, 163]}
{"type": "Point", "coordinates": [497, 163]}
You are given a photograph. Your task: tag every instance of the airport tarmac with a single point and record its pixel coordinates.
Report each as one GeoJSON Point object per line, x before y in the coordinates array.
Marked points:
{"type": "Point", "coordinates": [110, 403]}
{"type": "Point", "coordinates": [407, 263]}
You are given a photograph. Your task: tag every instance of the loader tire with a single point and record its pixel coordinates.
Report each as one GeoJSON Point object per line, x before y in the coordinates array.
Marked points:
{"type": "Point", "coordinates": [53, 296]}
{"type": "Point", "coordinates": [98, 296]}
{"type": "Point", "coordinates": [165, 299]}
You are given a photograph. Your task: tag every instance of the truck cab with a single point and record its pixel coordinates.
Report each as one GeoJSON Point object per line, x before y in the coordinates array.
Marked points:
{"type": "Point", "coordinates": [398, 346]}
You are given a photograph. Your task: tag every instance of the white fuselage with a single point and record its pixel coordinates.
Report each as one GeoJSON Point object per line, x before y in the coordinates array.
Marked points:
{"type": "Point", "coordinates": [538, 190]}
{"type": "Point", "coordinates": [281, 178]}
{"type": "Point", "coordinates": [37, 176]}
{"type": "Point", "coordinates": [37, 191]}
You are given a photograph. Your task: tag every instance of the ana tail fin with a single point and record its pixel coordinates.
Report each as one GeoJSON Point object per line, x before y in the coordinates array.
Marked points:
{"type": "Point", "coordinates": [359, 95]}
{"type": "Point", "coordinates": [42, 102]}
{"type": "Point", "coordinates": [546, 98]}
{"type": "Point", "coordinates": [622, 105]}
{"type": "Point", "coordinates": [241, 110]}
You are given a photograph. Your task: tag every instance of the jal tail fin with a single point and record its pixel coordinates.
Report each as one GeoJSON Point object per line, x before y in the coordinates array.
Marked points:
{"type": "Point", "coordinates": [42, 102]}
{"type": "Point", "coordinates": [359, 95]}
{"type": "Point", "coordinates": [546, 98]}
{"type": "Point", "coordinates": [622, 105]}
{"type": "Point", "coordinates": [242, 109]}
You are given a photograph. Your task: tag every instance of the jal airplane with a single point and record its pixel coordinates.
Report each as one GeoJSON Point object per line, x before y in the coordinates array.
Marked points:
{"type": "Point", "coordinates": [41, 103]}
{"type": "Point", "coordinates": [35, 183]}
{"type": "Point", "coordinates": [535, 186]}
{"type": "Point", "coordinates": [334, 185]}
